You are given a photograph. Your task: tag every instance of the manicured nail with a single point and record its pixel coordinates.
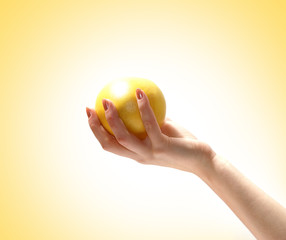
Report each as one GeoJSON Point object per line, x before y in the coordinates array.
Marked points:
{"type": "Point", "coordinates": [88, 112]}
{"type": "Point", "coordinates": [139, 93]}
{"type": "Point", "coordinates": [105, 104]}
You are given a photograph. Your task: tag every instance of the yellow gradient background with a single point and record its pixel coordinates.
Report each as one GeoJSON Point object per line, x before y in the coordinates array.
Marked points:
{"type": "Point", "coordinates": [222, 68]}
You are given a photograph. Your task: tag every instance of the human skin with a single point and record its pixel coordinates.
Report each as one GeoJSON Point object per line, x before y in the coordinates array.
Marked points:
{"type": "Point", "coordinates": [173, 146]}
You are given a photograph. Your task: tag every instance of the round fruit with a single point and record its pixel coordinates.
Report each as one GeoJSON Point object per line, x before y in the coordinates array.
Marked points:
{"type": "Point", "coordinates": [122, 92]}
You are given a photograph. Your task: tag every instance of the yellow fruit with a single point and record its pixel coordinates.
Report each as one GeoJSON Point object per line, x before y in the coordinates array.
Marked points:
{"type": "Point", "coordinates": [122, 92]}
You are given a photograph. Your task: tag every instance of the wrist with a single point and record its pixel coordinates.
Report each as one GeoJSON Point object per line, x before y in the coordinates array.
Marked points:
{"type": "Point", "coordinates": [207, 163]}
{"type": "Point", "coordinates": [214, 167]}
{"type": "Point", "coordinates": [199, 159]}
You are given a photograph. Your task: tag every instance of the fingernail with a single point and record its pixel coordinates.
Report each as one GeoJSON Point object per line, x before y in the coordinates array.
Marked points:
{"type": "Point", "coordinates": [139, 93]}
{"type": "Point", "coordinates": [105, 104]}
{"type": "Point", "coordinates": [88, 112]}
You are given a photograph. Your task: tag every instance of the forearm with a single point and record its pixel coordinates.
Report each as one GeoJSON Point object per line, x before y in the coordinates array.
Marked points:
{"type": "Point", "coordinates": [262, 215]}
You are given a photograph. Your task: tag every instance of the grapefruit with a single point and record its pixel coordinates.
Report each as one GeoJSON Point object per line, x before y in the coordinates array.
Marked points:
{"type": "Point", "coordinates": [122, 92]}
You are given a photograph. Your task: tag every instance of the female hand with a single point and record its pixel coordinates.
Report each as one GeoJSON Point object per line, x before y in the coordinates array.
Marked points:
{"type": "Point", "coordinates": [173, 146]}
{"type": "Point", "coordinates": [169, 146]}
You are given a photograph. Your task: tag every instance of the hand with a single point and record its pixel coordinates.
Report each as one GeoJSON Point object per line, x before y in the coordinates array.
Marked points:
{"type": "Point", "coordinates": [169, 146]}
{"type": "Point", "coordinates": [173, 146]}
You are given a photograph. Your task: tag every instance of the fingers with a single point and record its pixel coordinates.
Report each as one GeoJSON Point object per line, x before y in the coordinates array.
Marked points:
{"type": "Point", "coordinates": [148, 117]}
{"type": "Point", "coordinates": [122, 135]}
{"type": "Point", "coordinates": [106, 140]}
{"type": "Point", "coordinates": [98, 130]}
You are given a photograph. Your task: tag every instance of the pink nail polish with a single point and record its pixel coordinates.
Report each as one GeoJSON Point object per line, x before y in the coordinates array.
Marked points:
{"type": "Point", "coordinates": [88, 112]}
{"type": "Point", "coordinates": [139, 93]}
{"type": "Point", "coordinates": [105, 104]}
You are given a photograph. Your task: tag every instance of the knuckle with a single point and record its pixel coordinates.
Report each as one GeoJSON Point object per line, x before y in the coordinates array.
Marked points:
{"type": "Point", "coordinates": [109, 117]}
{"type": "Point", "coordinates": [122, 140]}
{"type": "Point", "coordinates": [106, 144]}
{"type": "Point", "coordinates": [148, 125]}
{"type": "Point", "coordinates": [92, 124]}
{"type": "Point", "coordinates": [111, 120]}
{"type": "Point", "coordinates": [142, 161]}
